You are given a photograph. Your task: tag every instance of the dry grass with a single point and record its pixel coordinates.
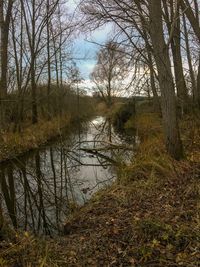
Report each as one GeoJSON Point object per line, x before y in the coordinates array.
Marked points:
{"type": "Point", "coordinates": [13, 144]}
{"type": "Point", "coordinates": [27, 250]}
{"type": "Point", "coordinates": [149, 217]}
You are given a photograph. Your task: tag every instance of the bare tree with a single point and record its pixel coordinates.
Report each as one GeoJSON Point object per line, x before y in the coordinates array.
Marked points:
{"type": "Point", "coordinates": [172, 17]}
{"type": "Point", "coordinates": [5, 18]}
{"type": "Point", "coordinates": [172, 135]}
{"type": "Point", "coordinates": [145, 19]}
{"type": "Point", "coordinates": [192, 15]}
{"type": "Point", "coordinates": [110, 71]}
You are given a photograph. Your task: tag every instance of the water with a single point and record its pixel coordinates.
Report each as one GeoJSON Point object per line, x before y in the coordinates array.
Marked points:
{"type": "Point", "coordinates": [40, 189]}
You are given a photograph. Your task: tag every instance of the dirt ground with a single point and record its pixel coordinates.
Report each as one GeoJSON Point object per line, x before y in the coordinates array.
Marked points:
{"type": "Point", "coordinates": [137, 226]}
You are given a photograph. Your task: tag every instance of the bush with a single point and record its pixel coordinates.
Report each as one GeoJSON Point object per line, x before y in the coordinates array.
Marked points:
{"type": "Point", "coordinates": [123, 114]}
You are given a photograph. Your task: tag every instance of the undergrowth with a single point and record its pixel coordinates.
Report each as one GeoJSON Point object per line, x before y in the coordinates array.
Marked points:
{"type": "Point", "coordinates": [149, 217]}
{"type": "Point", "coordinates": [13, 144]}
{"type": "Point", "coordinates": [27, 250]}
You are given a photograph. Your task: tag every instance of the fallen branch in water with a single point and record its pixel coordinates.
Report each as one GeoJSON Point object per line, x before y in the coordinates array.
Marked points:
{"type": "Point", "coordinates": [98, 154]}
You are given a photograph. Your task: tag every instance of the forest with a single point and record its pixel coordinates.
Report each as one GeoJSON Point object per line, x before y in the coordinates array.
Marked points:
{"type": "Point", "coordinates": [100, 133]}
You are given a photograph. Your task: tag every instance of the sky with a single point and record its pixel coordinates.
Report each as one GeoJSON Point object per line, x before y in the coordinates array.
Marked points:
{"type": "Point", "coordinates": [85, 49]}
{"type": "Point", "coordinates": [86, 46]}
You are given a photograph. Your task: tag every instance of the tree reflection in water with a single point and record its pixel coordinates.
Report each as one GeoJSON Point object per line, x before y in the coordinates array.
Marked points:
{"type": "Point", "coordinates": [40, 190]}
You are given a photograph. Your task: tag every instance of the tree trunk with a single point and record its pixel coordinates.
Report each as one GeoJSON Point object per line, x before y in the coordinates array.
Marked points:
{"type": "Point", "coordinates": [198, 86]}
{"type": "Point", "coordinates": [189, 59]}
{"type": "Point", "coordinates": [156, 101]}
{"type": "Point", "coordinates": [4, 60]}
{"type": "Point", "coordinates": [4, 34]}
{"type": "Point", "coordinates": [176, 51]}
{"type": "Point", "coordinates": [33, 61]}
{"type": "Point", "coordinates": [178, 66]}
{"type": "Point", "coordinates": [48, 63]}
{"type": "Point", "coordinates": [33, 91]}
{"type": "Point", "coordinates": [194, 21]}
{"type": "Point", "coordinates": [168, 102]}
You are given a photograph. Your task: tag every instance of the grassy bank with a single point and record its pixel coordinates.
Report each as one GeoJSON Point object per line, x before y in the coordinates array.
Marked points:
{"type": "Point", "coordinates": [149, 217]}
{"type": "Point", "coordinates": [54, 113]}
{"type": "Point", "coordinates": [13, 144]}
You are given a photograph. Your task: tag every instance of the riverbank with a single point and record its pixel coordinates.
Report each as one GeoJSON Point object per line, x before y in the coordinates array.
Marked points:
{"type": "Point", "coordinates": [33, 136]}
{"type": "Point", "coordinates": [149, 217]}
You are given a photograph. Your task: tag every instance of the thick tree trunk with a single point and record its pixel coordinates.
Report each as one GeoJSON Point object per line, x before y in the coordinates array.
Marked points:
{"type": "Point", "coordinates": [178, 66]}
{"type": "Point", "coordinates": [193, 19]}
{"type": "Point", "coordinates": [198, 75]}
{"type": "Point", "coordinates": [168, 104]}
{"type": "Point", "coordinates": [4, 34]}
{"type": "Point", "coordinates": [1, 216]}
{"type": "Point", "coordinates": [48, 62]}
{"type": "Point", "coordinates": [198, 86]}
{"type": "Point", "coordinates": [1, 64]}
{"type": "Point", "coordinates": [156, 101]}
{"type": "Point", "coordinates": [173, 17]}
{"type": "Point", "coordinates": [4, 60]}
{"type": "Point", "coordinates": [33, 74]}
{"type": "Point", "coordinates": [33, 92]}
{"type": "Point", "coordinates": [189, 59]}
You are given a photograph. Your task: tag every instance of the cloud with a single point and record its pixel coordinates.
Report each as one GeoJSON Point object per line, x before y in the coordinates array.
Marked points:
{"type": "Point", "coordinates": [87, 85]}
{"type": "Point", "coordinates": [86, 47]}
{"type": "Point", "coordinates": [72, 4]}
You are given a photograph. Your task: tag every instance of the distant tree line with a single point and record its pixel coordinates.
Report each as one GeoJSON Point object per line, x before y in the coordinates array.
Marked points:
{"type": "Point", "coordinates": [155, 48]}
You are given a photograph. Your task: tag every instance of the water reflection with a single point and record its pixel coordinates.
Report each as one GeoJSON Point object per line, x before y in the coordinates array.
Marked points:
{"type": "Point", "coordinates": [39, 190]}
